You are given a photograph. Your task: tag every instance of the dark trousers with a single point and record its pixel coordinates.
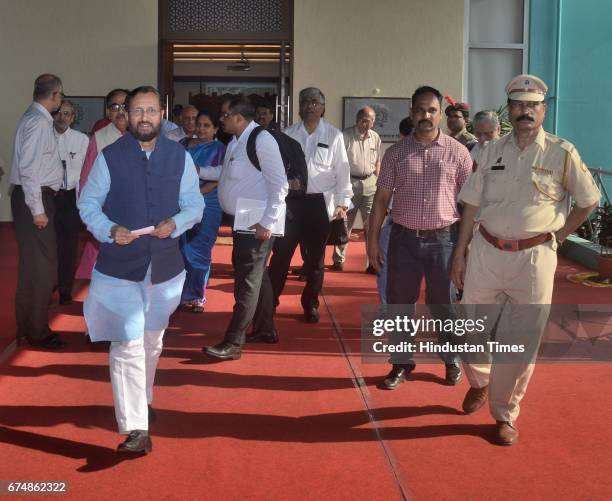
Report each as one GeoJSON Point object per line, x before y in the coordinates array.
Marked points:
{"type": "Point", "coordinates": [67, 225]}
{"type": "Point", "coordinates": [307, 223]}
{"type": "Point", "coordinates": [409, 259]}
{"type": "Point", "coordinates": [252, 288]}
{"type": "Point", "coordinates": [37, 271]}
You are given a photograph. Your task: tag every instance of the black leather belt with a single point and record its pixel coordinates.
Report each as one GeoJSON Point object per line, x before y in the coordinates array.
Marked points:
{"type": "Point", "coordinates": [313, 195]}
{"type": "Point", "coordinates": [48, 190]}
{"type": "Point", "coordinates": [65, 192]}
{"type": "Point", "coordinates": [362, 178]}
{"type": "Point", "coordinates": [424, 233]}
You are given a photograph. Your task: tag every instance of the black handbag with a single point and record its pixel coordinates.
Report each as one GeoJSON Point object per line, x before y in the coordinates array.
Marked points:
{"type": "Point", "coordinates": [338, 232]}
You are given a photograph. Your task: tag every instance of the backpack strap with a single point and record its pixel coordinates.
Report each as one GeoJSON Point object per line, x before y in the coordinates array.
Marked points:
{"type": "Point", "coordinates": [250, 148]}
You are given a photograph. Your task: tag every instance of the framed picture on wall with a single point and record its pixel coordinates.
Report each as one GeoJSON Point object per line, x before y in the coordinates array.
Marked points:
{"type": "Point", "coordinates": [390, 111]}
{"type": "Point", "coordinates": [88, 110]}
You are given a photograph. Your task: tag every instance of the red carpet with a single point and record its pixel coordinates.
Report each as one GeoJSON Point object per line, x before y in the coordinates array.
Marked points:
{"type": "Point", "coordinates": [8, 272]}
{"type": "Point", "coordinates": [299, 420]}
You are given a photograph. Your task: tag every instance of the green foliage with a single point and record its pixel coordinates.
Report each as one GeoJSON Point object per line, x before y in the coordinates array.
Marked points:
{"type": "Point", "coordinates": [505, 125]}
{"type": "Point", "coordinates": [598, 227]}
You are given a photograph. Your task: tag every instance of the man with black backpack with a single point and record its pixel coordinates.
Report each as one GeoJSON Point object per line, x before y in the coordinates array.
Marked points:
{"type": "Point", "coordinates": [242, 179]}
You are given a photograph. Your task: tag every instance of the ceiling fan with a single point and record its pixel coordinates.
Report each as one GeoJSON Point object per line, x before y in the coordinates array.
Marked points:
{"type": "Point", "coordinates": [242, 65]}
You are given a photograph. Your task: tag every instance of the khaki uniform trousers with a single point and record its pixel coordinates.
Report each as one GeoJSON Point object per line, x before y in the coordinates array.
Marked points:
{"type": "Point", "coordinates": [500, 277]}
{"type": "Point", "coordinates": [363, 199]}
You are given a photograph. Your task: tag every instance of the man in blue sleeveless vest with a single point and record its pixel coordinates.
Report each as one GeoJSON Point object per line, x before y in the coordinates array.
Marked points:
{"type": "Point", "coordinates": [142, 193]}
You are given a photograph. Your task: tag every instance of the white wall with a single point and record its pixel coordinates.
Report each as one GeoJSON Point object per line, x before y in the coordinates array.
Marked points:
{"type": "Point", "coordinates": [345, 47]}
{"type": "Point", "coordinates": [351, 47]}
{"type": "Point", "coordinates": [92, 45]}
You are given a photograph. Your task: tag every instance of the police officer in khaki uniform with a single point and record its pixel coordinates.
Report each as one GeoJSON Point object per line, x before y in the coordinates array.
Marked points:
{"type": "Point", "coordinates": [457, 116]}
{"type": "Point", "coordinates": [518, 196]}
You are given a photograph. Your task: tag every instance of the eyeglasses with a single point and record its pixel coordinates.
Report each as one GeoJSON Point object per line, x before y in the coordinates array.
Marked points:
{"type": "Point", "coordinates": [117, 107]}
{"type": "Point", "coordinates": [524, 104]}
{"type": "Point", "coordinates": [63, 113]}
{"type": "Point", "coordinates": [227, 115]}
{"type": "Point", "coordinates": [62, 95]}
{"type": "Point", "coordinates": [140, 111]}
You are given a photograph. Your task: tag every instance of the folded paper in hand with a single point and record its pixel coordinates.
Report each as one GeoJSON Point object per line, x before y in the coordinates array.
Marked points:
{"type": "Point", "coordinates": [143, 231]}
{"type": "Point", "coordinates": [249, 212]}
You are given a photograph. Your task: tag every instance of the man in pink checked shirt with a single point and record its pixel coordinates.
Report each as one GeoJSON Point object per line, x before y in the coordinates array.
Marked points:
{"type": "Point", "coordinates": [424, 172]}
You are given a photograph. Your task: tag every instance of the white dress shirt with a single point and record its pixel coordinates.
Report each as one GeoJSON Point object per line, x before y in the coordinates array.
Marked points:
{"type": "Point", "coordinates": [167, 126]}
{"type": "Point", "coordinates": [177, 134]}
{"type": "Point", "coordinates": [475, 152]}
{"type": "Point", "coordinates": [328, 167]}
{"type": "Point", "coordinates": [72, 147]}
{"type": "Point", "coordinates": [36, 161]}
{"type": "Point", "coordinates": [241, 179]}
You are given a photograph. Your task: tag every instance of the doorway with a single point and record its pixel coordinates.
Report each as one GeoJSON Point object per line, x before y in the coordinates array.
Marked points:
{"type": "Point", "coordinates": [209, 49]}
{"type": "Point", "coordinates": [204, 74]}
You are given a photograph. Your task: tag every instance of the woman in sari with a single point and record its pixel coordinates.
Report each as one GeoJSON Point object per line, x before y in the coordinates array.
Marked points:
{"type": "Point", "coordinates": [197, 244]}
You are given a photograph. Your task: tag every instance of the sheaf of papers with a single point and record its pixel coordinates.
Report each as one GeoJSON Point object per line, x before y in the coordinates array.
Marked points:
{"type": "Point", "coordinates": [249, 212]}
{"type": "Point", "coordinates": [143, 231]}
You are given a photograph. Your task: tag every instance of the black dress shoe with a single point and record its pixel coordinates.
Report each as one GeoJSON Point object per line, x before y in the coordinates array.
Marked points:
{"type": "Point", "coordinates": [453, 374]}
{"type": "Point", "coordinates": [65, 300]}
{"type": "Point", "coordinates": [138, 441]}
{"type": "Point", "coordinates": [396, 376]}
{"type": "Point", "coordinates": [224, 351]}
{"type": "Point", "coordinates": [152, 414]}
{"type": "Point", "coordinates": [263, 337]}
{"type": "Point", "coordinates": [338, 267]}
{"type": "Point", "coordinates": [370, 270]}
{"type": "Point", "coordinates": [311, 316]}
{"type": "Point", "coordinates": [51, 342]}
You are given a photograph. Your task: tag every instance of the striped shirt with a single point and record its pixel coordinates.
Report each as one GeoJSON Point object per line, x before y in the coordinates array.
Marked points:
{"type": "Point", "coordinates": [425, 179]}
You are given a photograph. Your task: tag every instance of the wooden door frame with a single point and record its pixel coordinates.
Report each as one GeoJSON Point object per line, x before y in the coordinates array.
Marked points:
{"type": "Point", "coordinates": [166, 40]}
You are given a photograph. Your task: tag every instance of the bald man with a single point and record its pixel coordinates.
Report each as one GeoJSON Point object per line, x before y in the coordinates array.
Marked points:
{"type": "Point", "coordinates": [363, 149]}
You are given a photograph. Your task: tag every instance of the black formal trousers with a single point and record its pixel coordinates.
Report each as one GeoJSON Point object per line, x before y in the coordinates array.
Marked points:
{"type": "Point", "coordinates": [252, 288]}
{"type": "Point", "coordinates": [307, 223]}
{"type": "Point", "coordinates": [67, 225]}
{"type": "Point", "coordinates": [37, 270]}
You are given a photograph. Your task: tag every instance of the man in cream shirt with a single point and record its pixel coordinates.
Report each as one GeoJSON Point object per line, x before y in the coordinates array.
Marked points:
{"type": "Point", "coordinates": [363, 149]}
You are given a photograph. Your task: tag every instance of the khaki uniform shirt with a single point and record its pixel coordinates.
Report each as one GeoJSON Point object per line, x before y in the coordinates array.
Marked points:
{"type": "Point", "coordinates": [465, 138]}
{"type": "Point", "coordinates": [363, 154]}
{"type": "Point", "coordinates": [522, 193]}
